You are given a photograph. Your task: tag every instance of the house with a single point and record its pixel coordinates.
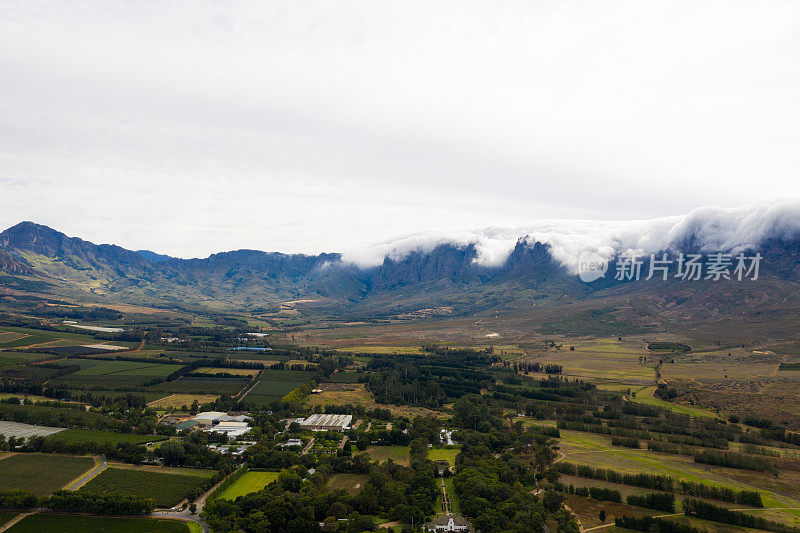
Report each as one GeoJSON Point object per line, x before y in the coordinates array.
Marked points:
{"type": "Point", "coordinates": [291, 442]}
{"type": "Point", "coordinates": [450, 522]}
{"type": "Point", "coordinates": [326, 422]}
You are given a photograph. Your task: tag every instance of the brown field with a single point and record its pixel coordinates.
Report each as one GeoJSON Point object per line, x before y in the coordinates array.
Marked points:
{"type": "Point", "coordinates": [587, 510]}
{"type": "Point", "coordinates": [357, 394]}
{"type": "Point", "coordinates": [351, 483]}
{"type": "Point", "coordinates": [234, 371]}
{"type": "Point", "coordinates": [176, 401]}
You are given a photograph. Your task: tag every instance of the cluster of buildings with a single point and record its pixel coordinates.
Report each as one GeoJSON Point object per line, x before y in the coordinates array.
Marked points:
{"type": "Point", "coordinates": [233, 426]}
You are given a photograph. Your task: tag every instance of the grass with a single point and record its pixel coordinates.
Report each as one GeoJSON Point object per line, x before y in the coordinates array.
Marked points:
{"type": "Point", "coordinates": [41, 474]}
{"type": "Point", "coordinates": [176, 401]}
{"type": "Point", "coordinates": [599, 360]}
{"type": "Point", "coordinates": [444, 454]}
{"type": "Point", "coordinates": [398, 454]}
{"type": "Point", "coordinates": [646, 397]}
{"type": "Point", "coordinates": [596, 450]}
{"type": "Point", "coordinates": [350, 483]}
{"type": "Point", "coordinates": [166, 489]}
{"type": "Point", "coordinates": [73, 436]}
{"type": "Point", "coordinates": [251, 481]}
{"type": "Point", "coordinates": [358, 396]}
{"type": "Point", "coordinates": [36, 523]}
{"type": "Point", "coordinates": [451, 493]}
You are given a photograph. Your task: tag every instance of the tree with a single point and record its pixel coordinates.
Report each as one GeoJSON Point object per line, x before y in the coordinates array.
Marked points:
{"type": "Point", "coordinates": [193, 508]}
{"type": "Point", "coordinates": [602, 515]}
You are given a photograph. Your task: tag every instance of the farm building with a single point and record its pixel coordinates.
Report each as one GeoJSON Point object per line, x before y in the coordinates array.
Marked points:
{"type": "Point", "coordinates": [326, 422]}
{"type": "Point", "coordinates": [231, 429]}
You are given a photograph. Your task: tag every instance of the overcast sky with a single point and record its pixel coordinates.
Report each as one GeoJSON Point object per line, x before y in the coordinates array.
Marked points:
{"type": "Point", "coordinates": [194, 127]}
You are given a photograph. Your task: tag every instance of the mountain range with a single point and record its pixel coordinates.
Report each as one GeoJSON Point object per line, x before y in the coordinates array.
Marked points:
{"type": "Point", "coordinates": [443, 281]}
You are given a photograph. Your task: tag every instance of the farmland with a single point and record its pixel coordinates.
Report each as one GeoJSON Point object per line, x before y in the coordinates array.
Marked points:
{"type": "Point", "coordinates": [274, 384]}
{"type": "Point", "coordinates": [37, 523]}
{"type": "Point", "coordinates": [191, 385]}
{"type": "Point", "coordinates": [166, 489]}
{"type": "Point", "coordinates": [73, 436]}
{"type": "Point", "coordinates": [39, 473]}
{"type": "Point", "coordinates": [250, 481]}
{"type": "Point", "coordinates": [177, 401]}
{"type": "Point", "coordinates": [15, 429]}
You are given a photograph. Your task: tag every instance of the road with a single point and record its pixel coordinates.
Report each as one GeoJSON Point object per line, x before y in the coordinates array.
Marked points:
{"type": "Point", "coordinates": [186, 514]}
{"type": "Point", "coordinates": [90, 475]}
{"type": "Point", "coordinates": [181, 515]}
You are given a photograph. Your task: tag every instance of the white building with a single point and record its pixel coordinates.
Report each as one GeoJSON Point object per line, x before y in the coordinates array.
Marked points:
{"type": "Point", "coordinates": [450, 523]}
{"type": "Point", "coordinates": [326, 422]}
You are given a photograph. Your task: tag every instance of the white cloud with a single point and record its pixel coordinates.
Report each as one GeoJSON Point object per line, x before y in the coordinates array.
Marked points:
{"type": "Point", "coordinates": [194, 127]}
{"type": "Point", "coordinates": [710, 229]}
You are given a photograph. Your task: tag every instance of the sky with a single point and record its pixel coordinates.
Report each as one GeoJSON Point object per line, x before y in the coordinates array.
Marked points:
{"type": "Point", "coordinates": [194, 127]}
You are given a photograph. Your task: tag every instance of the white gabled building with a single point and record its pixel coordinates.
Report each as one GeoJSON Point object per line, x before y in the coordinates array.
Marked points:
{"type": "Point", "coordinates": [450, 522]}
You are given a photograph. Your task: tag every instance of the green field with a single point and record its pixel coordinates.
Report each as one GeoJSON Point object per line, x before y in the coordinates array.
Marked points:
{"type": "Point", "coordinates": [645, 396]}
{"type": "Point", "coordinates": [15, 358]}
{"type": "Point", "coordinates": [105, 368]}
{"type": "Point", "coordinates": [398, 454]}
{"type": "Point", "coordinates": [444, 454]}
{"type": "Point", "coordinates": [166, 489]}
{"type": "Point", "coordinates": [451, 493]}
{"type": "Point", "coordinates": [40, 336]}
{"type": "Point", "coordinates": [41, 473]}
{"type": "Point", "coordinates": [596, 451]}
{"type": "Point", "coordinates": [5, 516]}
{"type": "Point", "coordinates": [186, 385]}
{"type": "Point", "coordinates": [73, 436]}
{"type": "Point", "coordinates": [274, 384]}
{"type": "Point", "coordinates": [251, 481]}
{"type": "Point", "coordinates": [37, 523]}
{"type": "Point", "coordinates": [351, 483]}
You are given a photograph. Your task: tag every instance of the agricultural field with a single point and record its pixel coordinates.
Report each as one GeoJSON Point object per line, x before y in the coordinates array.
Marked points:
{"type": "Point", "coordinates": [15, 337]}
{"type": "Point", "coordinates": [166, 489]}
{"type": "Point", "coordinates": [39, 522]}
{"type": "Point", "coordinates": [16, 358]}
{"type": "Point", "coordinates": [189, 385]}
{"type": "Point", "coordinates": [599, 360]}
{"type": "Point", "coordinates": [645, 396]}
{"type": "Point", "coordinates": [41, 473]}
{"type": "Point", "coordinates": [398, 454]}
{"type": "Point", "coordinates": [176, 401]}
{"type": "Point", "coordinates": [74, 436]}
{"type": "Point", "coordinates": [350, 483]}
{"type": "Point", "coordinates": [17, 430]}
{"type": "Point", "coordinates": [107, 368]}
{"type": "Point", "coordinates": [355, 394]}
{"type": "Point", "coordinates": [274, 384]}
{"type": "Point", "coordinates": [597, 451]}
{"type": "Point", "coordinates": [250, 481]}
{"type": "Point", "coordinates": [250, 372]}
{"type": "Point", "coordinates": [5, 516]}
